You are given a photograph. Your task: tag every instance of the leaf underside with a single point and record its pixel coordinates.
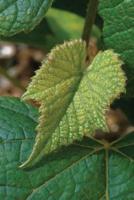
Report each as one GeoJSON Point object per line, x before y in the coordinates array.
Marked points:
{"type": "Point", "coordinates": [18, 15]}
{"type": "Point", "coordinates": [83, 170]}
{"type": "Point", "coordinates": [73, 97]}
{"type": "Point", "coordinates": [118, 33]}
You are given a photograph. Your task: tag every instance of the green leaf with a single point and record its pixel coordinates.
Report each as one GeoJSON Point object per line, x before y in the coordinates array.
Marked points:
{"type": "Point", "coordinates": [118, 32]}
{"type": "Point", "coordinates": [73, 98]}
{"type": "Point", "coordinates": [17, 16]}
{"type": "Point", "coordinates": [82, 171]}
{"type": "Point", "coordinates": [66, 25]}
{"type": "Point", "coordinates": [57, 27]}
{"type": "Point", "coordinates": [36, 38]}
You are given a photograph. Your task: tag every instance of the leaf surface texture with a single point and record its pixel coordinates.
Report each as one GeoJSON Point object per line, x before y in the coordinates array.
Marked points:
{"type": "Point", "coordinates": [73, 97]}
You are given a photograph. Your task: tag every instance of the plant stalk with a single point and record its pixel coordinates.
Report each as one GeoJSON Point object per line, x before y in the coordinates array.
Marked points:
{"type": "Point", "coordinates": [89, 21]}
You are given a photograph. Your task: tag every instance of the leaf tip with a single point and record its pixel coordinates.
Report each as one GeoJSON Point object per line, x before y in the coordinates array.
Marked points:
{"type": "Point", "coordinates": [27, 164]}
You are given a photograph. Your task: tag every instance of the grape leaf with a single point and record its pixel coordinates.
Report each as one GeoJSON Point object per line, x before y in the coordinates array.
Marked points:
{"type": "Point", "coordinates": [118, 33]}
{"type": "Point", "coordinates": [36, 38]}
{"type": "Point", "coordinates": [73, 97]}
{"type": "Point", "coordinates": [18, 15]}
{"type": "Point", "coordinates": [57, 27]}
{"type": "Point", "coordinates": [84, 170]}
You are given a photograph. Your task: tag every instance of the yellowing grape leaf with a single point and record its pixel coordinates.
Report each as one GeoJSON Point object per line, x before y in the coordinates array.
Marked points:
{"type": "Point", "coordinates": [73, 97]}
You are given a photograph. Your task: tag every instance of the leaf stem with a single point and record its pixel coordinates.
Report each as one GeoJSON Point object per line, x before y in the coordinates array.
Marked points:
{"type": "Point", "coordinates": [89, 21]}
{"type": "Point", "coordinates": [107, 174]}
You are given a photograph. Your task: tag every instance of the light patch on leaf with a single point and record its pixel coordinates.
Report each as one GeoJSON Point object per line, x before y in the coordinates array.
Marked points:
{"type": "Point", "coordinates": [73, 97]}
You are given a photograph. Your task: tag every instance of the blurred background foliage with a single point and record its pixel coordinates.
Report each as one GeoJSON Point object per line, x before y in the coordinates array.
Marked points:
{"type": "Point", "coordinates": [21, 54]}
{"type": "Point", "coordinates": [78, 6]}
{"type": "Point", "coordinates": [63, 22]}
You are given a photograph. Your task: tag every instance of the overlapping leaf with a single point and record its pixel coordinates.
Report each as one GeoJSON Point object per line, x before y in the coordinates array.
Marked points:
{"type": "Point", "coordinates": [18, 15]}
{"type": "Point", "coordinates": [63, 25]}
{"type": "Point", "coordinates": [82, 171]}
{"type": "Point", "coordinates": [67, 25]}
{"type": "Point", "coordinates": [73, 98]}
{"type": "Point", "coordinates": [118, 33]}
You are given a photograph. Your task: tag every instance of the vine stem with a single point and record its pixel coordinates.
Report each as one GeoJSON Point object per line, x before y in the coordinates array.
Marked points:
{"type": "Point", "coordinates": [89, 21]}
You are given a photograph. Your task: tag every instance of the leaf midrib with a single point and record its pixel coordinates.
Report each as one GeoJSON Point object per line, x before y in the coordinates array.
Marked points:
{"type": "Point", "coordinates": [83, 158]}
